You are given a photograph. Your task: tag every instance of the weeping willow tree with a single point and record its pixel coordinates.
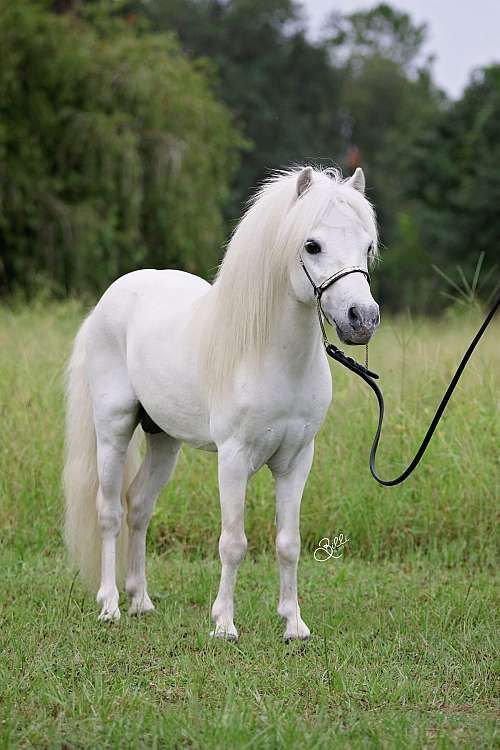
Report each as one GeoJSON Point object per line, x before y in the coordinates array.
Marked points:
{"type": "Point", "coordinates": [114, 153]}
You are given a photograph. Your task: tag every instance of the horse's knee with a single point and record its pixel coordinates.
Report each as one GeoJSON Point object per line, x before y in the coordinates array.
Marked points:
{"type": "Point", "coordinates": [232, 547]}
{"type": "Point", "coordinates": [288, 546]}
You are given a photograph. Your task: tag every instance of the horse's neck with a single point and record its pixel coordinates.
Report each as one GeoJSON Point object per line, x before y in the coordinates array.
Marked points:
{"type": "Point", "coordinates": [296, 337]}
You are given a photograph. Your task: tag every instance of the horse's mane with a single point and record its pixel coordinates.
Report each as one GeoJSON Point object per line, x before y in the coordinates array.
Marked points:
{"type": "Point", "coordinates": [254, 274]}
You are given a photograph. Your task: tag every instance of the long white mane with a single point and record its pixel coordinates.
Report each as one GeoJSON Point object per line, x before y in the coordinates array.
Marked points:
{"type": "Point", "coordinates": [254, 275]}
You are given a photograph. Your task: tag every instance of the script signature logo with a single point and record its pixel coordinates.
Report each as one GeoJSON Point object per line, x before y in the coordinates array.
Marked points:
{"type": "Point", "coordinates": [326, 549]}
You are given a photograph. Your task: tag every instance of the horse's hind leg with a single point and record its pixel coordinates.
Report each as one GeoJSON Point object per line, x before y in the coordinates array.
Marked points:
{"type": "Point", "coordinates": [115, 411]}
{"type": "Point", "coordinates": [111, 455]}
{"type": "Point", "coordinates": [156, 470]}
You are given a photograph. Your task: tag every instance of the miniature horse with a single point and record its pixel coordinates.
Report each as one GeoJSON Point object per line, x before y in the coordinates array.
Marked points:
{"type": "Point", "coordinates": [236, 367]}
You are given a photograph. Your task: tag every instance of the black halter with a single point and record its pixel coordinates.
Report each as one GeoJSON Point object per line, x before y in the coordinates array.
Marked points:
{"type": "Point", "coordinates": [332, 350]}
{"type": "Point", "coordinates": [370, 377]}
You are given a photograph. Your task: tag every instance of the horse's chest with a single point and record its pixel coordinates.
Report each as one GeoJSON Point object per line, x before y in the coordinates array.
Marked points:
{"type": "Point", "coordinates": [281, 426]}
{"type": "Point", "coordinates": [284, 438]}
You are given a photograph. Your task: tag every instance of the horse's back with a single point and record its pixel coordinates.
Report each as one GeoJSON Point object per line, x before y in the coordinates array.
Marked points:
{"type": "Point", "coordinates": [141, 298]}
{"type": "Point", "coordinates": [157, 282]}
{"type": "Point", "coordinates": [150, 286]}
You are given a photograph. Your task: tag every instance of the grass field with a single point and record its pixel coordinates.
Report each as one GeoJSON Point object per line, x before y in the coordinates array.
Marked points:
{"type": "Point", "coordinates": [404, 641]}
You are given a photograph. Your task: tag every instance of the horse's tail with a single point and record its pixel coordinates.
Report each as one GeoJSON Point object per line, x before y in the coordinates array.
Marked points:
{"type": "Point", "coordinates": [81, 483]}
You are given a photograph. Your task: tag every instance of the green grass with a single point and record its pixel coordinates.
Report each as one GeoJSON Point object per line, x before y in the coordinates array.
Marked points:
{"type": "Point", "coordinates": [403, 645]}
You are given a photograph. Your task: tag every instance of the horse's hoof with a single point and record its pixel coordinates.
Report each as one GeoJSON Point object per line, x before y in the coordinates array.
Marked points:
{"type": "Point", "coordinates": [141, 606]}
{"type": "Point", "coordinates": [299, 632]}
{"type": "Point", "coordinates": [225, 635]}
{"type": "Point", "coordinates": [109, 615]}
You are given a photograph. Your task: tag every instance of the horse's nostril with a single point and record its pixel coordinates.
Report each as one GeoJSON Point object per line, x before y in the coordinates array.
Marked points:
{"type": "Point", "coordinates": [354, 316]}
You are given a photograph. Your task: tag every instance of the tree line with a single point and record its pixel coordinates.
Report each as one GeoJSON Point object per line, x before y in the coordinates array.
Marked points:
{"type": "Point", "coordinates": [133, 132]}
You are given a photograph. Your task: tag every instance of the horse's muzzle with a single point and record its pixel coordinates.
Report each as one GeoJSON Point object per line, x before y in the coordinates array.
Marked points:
{"type": "Point", "coordinates": [361, 323]}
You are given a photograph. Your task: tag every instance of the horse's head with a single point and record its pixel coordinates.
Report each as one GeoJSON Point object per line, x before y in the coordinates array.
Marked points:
{"type": "Point", "coordinates": [335, 253]}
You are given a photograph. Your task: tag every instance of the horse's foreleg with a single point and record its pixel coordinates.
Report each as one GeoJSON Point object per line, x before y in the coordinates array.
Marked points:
{"type": "Point", "coordinates": [289, 489]}
{"type": "Point", "coordinates": [156, 469]}
{"type": "Point", "coordinates": [233, 477]}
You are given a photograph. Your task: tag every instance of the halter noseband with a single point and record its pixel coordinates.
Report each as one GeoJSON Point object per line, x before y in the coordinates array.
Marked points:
{"type": "Point", "coordinates": [318, 290]}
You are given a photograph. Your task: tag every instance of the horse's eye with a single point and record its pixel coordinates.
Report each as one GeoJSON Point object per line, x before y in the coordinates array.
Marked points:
{"type": "Point", "coordinates": [370, 248]}
{"type": "Point", "coordinates": [312, 247]}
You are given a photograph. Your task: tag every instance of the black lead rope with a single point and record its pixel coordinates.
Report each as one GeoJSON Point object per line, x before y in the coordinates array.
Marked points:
{"type": "Point", "coordinates": [370, 377]}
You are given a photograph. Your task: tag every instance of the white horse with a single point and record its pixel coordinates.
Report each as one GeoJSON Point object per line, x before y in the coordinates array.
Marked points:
{"type": "Point", "coordinates": [236, 367]}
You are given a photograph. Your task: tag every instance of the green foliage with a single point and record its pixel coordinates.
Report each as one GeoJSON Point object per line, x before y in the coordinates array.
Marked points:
{"type": "Point", "coordinates": [281, 88]}
{"type": "Point", "coordinates": [113, 152]}
{"type": "Point", "coordinates": [453, 181]}
{"type": "Point", "coordinates": [381, 31]}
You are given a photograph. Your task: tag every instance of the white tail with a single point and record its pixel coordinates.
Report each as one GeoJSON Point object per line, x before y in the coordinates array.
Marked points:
{"type": "Point", "coordinates": [81, 484]}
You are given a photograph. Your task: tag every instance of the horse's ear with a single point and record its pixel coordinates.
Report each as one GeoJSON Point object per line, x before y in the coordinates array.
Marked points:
{"type": "Point", "coordinates": [357, 181]}
{"type": "Point", "coordinates": [304, 181]}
